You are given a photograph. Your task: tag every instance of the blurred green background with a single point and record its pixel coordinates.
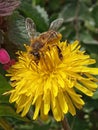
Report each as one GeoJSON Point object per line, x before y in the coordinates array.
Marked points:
{"type": "Point", "coordinates": [80, 23]}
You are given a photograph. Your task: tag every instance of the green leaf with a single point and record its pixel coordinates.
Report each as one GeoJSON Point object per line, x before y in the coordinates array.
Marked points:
{"type": "Point", "coordinates": [8, 111]}
{"type": "Point", "coordinates": [54, 5]}
{"type": "Point", "coordinates": [85, 13]}
{"type": "Point", "coordinates": [80, 124]}
{"type": "Point", "coordinates": [68, 12]}
{"type": "Point", "coordinates": [36, 13]}
{"type": "Point", "coordinates": [91, 26]}
{"type": "Point", "coordinates": [76, 11]}
{"type": "Point", "coordinates": [5, 107]}
{"type": "Point", "coordinates": [2, 71]}
{"type": "Point", "coordinates": [76, 121]}
{"type": "Point", "coordinates": [4, 86]}
{"type": "Point", "coordinates": [87, 38]}
{"type": "Point", "coordinates": [95, 96]}
{"type": "Point", "coordinates": [95, 14]}
{"type": "Point", "coordinates": [43, 127]}
{"type": "Point", "coordinates": [90, 104]}
{"type": "Point", "coordinates": [43, 14]}
{"type": "Point", "coordinates": [38, 2]}
{"type": "Point", "coordinates": [68, 32]}
{"type": "Point", "coordinates": [16, 30]}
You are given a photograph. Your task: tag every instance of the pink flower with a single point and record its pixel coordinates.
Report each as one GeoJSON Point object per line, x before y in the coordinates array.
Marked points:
{"type": "Point", "coordinates": [9, 64]}
{"type": "Point", "coordinates": [4, 56]}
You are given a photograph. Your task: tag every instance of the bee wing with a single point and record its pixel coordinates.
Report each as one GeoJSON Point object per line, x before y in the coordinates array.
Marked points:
{"type": "Point", "coordinates": [56, 24]}
{"type": "Point", "coordinates": [30, 27]}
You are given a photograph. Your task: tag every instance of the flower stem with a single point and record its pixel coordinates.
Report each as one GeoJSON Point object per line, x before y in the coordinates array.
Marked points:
{"type": "Point", "coordinates": [65, 124]}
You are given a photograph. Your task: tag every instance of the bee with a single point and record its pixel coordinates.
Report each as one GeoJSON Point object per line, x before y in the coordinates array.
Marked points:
{"type": "Point", "coordinates": [43, 41]}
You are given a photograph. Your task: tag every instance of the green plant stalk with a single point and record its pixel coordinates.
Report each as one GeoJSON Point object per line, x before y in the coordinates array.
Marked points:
{"type": "Point", "coordinates": [65, 124]}
{"type": "Point", "coordinates": [5, 125]}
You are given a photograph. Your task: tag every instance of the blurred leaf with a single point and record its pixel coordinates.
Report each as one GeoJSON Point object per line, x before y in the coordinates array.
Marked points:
{"type": "Point", "coordinates": [68, 12]}
{"type": "Point", "coordinates": [92, 50]}
{"type": "Point", "coordinates": [2, 71]}
{"type": "Point", "coordinates": [68, 32]}
{"type": "Point", "coordinates": [34, 125]}
{"type": "Point", "coordinates": [54, 5]}
{"type": "Point", "coordinates": [43, 14]}
{"type": "Point", "coordinates": [95, 96]}
{"type": "Point", "coordinates": [38, 2]}
{"type": "Point", "coordinates": [41, 127]}
{"type": "Point", "coordinates": [37, 13]}
{"type": "Point", "coordinates": [76, 11]}
{"type": "Point", "coordinates": [90, 104]}
{"type": "Point", "coordinates": [85, 13]}
{"type": "Point", "coordinates": [16, 30]}
{"type": "Point", "coordinates": [80, 124]}
{"type": "Point", "coordinates": [71, 1]}
{"type": "Point", "coordinates": [91, 26]}
{"type": "Point", "coordinates": [95, 14]}
{"type": "Point", "coordinates": [76, 121]}
{"type": "Point", "coordinates": [87, 2]}
{"type": "Point", "coordinates": [86, 38]}
{"type": "Point", "coordinates": [8, 111]}
{"type": "Point", "coordinates": [4, 86]}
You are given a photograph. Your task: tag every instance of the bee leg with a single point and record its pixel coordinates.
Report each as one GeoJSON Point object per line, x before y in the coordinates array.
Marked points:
{"type": "Point", "coordinates": [59, 53]}
{"type": "Point", "coordinates": [44, 59]}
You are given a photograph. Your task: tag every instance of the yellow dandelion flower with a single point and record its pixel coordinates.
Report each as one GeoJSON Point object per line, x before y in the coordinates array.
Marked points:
{"type": "Point", "coordinates": [52, 84]}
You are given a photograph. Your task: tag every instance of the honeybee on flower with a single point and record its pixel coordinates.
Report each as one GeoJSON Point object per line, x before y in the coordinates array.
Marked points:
{"type": "Point", "coordinates": [41, 43]}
